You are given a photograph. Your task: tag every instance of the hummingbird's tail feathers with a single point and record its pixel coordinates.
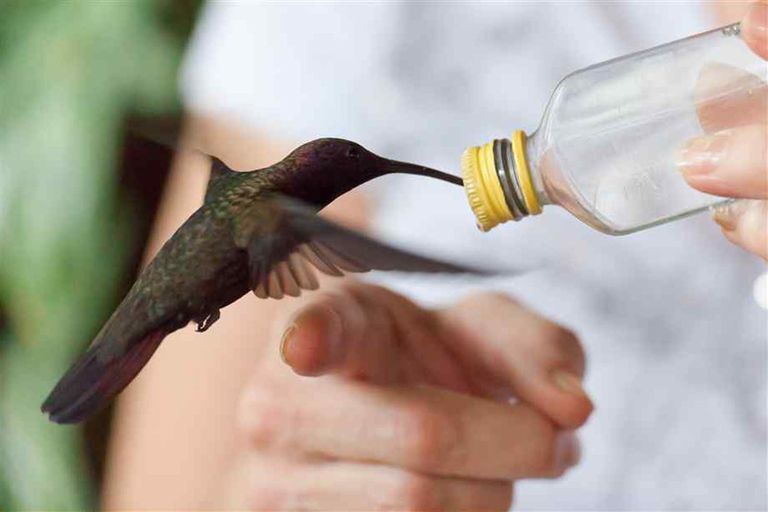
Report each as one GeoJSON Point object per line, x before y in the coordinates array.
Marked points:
{"type": "Point", "coordinates": [92, 382]}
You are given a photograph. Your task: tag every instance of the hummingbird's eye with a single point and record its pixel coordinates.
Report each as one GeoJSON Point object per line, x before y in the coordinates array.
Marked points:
{"type": "Point", "coordinates": [353, 153]}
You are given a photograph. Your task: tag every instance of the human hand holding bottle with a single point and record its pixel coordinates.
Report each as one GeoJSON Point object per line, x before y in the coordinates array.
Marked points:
{"type": "Point", "coordinates": [732, 162]}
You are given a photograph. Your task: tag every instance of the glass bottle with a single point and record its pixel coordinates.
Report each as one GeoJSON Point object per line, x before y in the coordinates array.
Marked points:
{"type": "Point", "coordinates": [606, 145]}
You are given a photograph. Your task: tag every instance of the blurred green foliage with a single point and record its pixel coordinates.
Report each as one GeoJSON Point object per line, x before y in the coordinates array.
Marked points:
{"type": "Point", "coordinates": [70, 71]}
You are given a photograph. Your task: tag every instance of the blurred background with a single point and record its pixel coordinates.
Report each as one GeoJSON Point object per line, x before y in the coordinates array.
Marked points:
{"type": "Point", "coordinates": [77, 198]}
{"type": "Point", "coordinates": [676, 344]}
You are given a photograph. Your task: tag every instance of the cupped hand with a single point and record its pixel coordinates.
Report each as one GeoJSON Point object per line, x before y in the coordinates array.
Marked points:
{"type": "Point", "coordinates": [731, 160]}
{"type": "Point", "coordinates": [405, 408]}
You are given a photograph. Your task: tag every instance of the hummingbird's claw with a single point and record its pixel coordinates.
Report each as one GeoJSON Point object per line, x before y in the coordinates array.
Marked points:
{"type": "Point", "coordinates": [209, 321]}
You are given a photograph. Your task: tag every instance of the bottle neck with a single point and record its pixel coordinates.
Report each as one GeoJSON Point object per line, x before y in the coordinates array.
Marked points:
{"type": "Point", "coordinates": [537, 170]}
{"type": "Point", "coordinates": [499, 182]}
{"type": "Point", "coordinates": [524, 185]}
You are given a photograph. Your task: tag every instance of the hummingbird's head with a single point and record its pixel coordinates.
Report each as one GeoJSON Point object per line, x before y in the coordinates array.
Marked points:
{"type": "Point", "coordinates": [330, 167]}
{"type": "Point", "coordinates": [343, 158]}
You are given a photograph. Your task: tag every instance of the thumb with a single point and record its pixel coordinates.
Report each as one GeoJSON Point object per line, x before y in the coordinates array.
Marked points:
{"type": "Point", "coordinates": [754, 28]}
{"type": "Point", "coordinates": [354, 331]}
{"type": "Point", "coordinates": [745, 223]}
{"type": "Point", "coordinates": [730, 163]}
{"type": "Point", "coordinates": [312, 344]}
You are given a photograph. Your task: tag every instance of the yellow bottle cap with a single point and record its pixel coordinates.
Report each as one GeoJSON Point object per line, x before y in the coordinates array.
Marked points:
{"type": "Point", "coordinates": [483, 169]}
{"type": "Point", "coordinates": [482, 186]}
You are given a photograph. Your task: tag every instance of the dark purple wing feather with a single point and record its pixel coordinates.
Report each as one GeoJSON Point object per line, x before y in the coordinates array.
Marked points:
{"type": "Point", "coordinates": [284, 257]}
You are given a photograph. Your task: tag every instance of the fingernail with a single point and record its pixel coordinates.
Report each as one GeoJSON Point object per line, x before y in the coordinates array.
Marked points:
{"type": "Point", "coordinates": [569, 383]}
{"type": "Point", "coordinates": [567, 449]}
{"type": "Point", "coordinates": [756, 21]}
{"type": "Point", "coordinates": [728, 215]}
{"type": "Point", "coordinates": [284, 341]}
{"type": "Point", "coordinates": [320, 330]}
{"type": "Point", "coordinates": [703, 154]}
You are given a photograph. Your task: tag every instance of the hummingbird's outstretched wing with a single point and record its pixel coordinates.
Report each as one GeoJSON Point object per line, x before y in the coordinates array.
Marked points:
{"type": "Point", "coordinates": [281, 260]}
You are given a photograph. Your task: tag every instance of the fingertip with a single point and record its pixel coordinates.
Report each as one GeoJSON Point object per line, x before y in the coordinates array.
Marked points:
{"type": "Point", "coordinates": [700, 157]}
{"type": "Point", "coordinates": [570, 405]}
{"type": "Point", "coordinates": [726, 217]}
{"type": "Point", "coordinates": [755, 28]}
{"type": "Point", "coordinates": [730, 163]}
{"type": "Point", "coordinates": [312, 344]}
{"type": "Point", "coordinates": [567, 450]}
{"type": "Point", "coordinates": [710, 184]}
{"type": "Point", "coordinates": [745, 223]}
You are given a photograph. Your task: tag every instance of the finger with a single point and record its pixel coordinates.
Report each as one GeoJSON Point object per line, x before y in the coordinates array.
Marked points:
{"type": "Point", "coordinates": [423, 429]}
{"type": "Point", "coordinates": [271, 484]}
{"type": "Point", "coordinates": [745, 223]}
{"type": "Point", "coordinates": [384, 335]}
{"type": "Point", "coordinates": [754, 28]}
{"type": "Point", "coordinates": [339, 333]}
{"type": "Point", "coordinates": [731, 163]}
{"type": "Point", "coordinates": [541, 362]}
{"type": "Point", "coordinates": [373, 334]}
{"type": "Point", "coordinates": [728, 97]}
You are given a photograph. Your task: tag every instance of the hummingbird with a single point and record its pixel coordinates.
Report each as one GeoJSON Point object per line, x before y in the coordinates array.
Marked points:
{"type": "Point", "coordinates": [256, 231]}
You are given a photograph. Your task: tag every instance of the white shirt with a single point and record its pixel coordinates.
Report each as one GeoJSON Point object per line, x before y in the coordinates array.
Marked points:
{"type": "Point", "coordinates": [676, 345]}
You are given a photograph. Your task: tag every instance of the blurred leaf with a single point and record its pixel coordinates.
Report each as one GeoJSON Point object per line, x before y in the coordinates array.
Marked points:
{"type": "Point", "coordinates": [71, 72]}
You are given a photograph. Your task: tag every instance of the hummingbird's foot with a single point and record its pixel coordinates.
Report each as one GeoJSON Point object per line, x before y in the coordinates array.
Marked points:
{"type": "Point", "coordinates": [209, 321]}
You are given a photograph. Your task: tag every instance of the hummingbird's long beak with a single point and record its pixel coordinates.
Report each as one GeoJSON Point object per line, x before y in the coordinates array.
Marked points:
{"type": "Point", "coordinates": [393, 166]}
